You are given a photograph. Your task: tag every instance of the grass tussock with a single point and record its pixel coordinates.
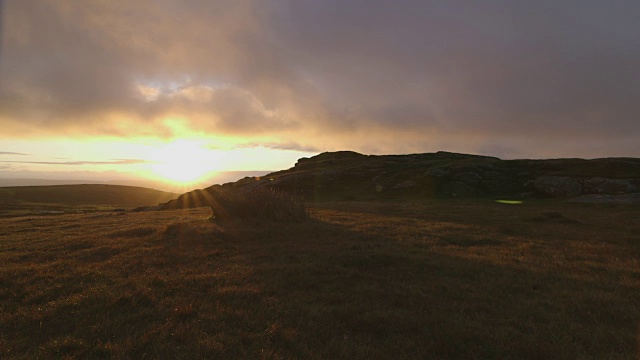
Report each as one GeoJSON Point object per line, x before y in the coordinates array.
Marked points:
{"type": "Point", "coordinates": [441, 280]}
{"type": "Point", "coordinates": [261, 204]}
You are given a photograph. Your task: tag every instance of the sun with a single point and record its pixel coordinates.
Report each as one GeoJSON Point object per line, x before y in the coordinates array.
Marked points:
{"type": "Point", "coordinates": [183, 162]}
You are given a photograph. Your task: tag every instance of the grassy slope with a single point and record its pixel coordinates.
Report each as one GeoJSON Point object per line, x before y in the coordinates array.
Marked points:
{"type": "Point", "coordinates": [118, 195]}
{"type": "Point", "coordinates": [361, 280]}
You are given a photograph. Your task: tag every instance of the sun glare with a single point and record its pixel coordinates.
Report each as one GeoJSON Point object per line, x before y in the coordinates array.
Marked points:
{"type": "Point", "coordinates": [183, 162]}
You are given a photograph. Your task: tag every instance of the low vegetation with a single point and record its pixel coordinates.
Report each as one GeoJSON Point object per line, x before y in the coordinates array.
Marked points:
{"type": "Point", "coordinates": [439, 279]}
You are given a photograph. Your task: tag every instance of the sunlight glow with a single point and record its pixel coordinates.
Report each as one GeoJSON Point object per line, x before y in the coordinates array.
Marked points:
{"type": "Point", "coordinates": [183, 161]}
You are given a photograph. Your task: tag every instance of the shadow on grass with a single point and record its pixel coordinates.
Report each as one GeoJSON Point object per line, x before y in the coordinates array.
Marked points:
{"type": "Point", "coordinates": [360, 295]}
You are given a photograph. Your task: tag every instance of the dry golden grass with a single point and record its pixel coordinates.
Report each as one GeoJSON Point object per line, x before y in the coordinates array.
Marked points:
{"type": "Point", "coordinates": [454, 279]}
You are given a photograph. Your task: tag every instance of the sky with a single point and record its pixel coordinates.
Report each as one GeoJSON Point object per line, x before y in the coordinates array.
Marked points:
{"type": "Point", "coordinates": [157, 88]}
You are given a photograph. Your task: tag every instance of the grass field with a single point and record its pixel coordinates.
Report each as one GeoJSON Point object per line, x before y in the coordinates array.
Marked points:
{"type": "Point", "coordinates": [442, 279]}
{"type": "Point", "coordinates": [81, 198]}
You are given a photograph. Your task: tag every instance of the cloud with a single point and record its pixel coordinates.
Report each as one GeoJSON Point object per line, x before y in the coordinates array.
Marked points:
{"type": "Point", "coordinates": [11, 153]}
{"type": "Point", "coordinates": [282, 146]}
{"type": "Point", "coordinates": [111, 162]}
{"type": "Point", "coordinates": [553, 77]}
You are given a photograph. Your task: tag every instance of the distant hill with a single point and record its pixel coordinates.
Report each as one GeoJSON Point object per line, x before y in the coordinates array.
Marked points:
{"type": "Point", "coordinates": [347, 175]}
{"type": "Point", "coordinates": [117, 195]}
{"type": "Point", "coordinates": [219, 177]}
{"type": "Point", "coordinates": [146, 183]}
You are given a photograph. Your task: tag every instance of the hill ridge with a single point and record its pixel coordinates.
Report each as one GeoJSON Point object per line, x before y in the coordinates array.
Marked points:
{"type": "Point", "coordinates": [348, 175]}
{"type": "Point", "coordinates": [121, 195]}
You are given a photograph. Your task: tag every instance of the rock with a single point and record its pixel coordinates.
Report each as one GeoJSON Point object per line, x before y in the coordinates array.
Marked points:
{"type": "Point", "coordinates": [570, 186]}
{"type": "Point", "coordinates": [608, 199]}
{"type": "Point", "coordinates": [501, 186]}
{"type": "Point", "coordinates": [558, 185]}
{"type": "Point", "coordinates": [460, 189]}
{"type": "Point", "coordinates": [295, 182]}
{"type": "Point", "coordinates": [494, 175]}
{"type": "Point", "coordinates": [438, 173]}
{"type": "Point", "coordinates": [471, 178]}
{"type": "Point", "coordinates": [598, 185]}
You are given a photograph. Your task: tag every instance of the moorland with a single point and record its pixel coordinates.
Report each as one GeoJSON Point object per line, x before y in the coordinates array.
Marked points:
{"type": "Point", "coordinates": [357, 278]}
{"type": "Point", "coordinates": [59, 199]}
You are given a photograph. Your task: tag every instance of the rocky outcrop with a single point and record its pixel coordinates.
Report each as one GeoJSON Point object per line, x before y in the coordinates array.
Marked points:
{"type": "Point", "coordinates": [608, 199]}
{"type": "Point", "coordinates": [558, 186]}
{"type": "Point", "coordinates": [574, 186]}
{"type": "Point", "coordinates": [460, 189]}
{"type": "Point", "coordinates": [599, 185]}
{"type": "Point", "coordinates": [353, 176]}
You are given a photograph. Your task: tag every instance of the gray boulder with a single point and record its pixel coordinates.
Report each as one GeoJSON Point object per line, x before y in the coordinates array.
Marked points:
{"type": "Point", "coordinates": [599, 185]}
{"type": "Point", "coordinates": [558, 185]}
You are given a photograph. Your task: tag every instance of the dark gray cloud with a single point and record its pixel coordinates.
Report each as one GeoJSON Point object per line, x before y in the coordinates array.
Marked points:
{"type": "Point", "coordinates": [515, 78]}
{"type": "Point", "coordinates": [11, 153]}
{"type": "Point", "coordinates": [505, 65]}
{"type": "Point", "coordinates": [110, 162]}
